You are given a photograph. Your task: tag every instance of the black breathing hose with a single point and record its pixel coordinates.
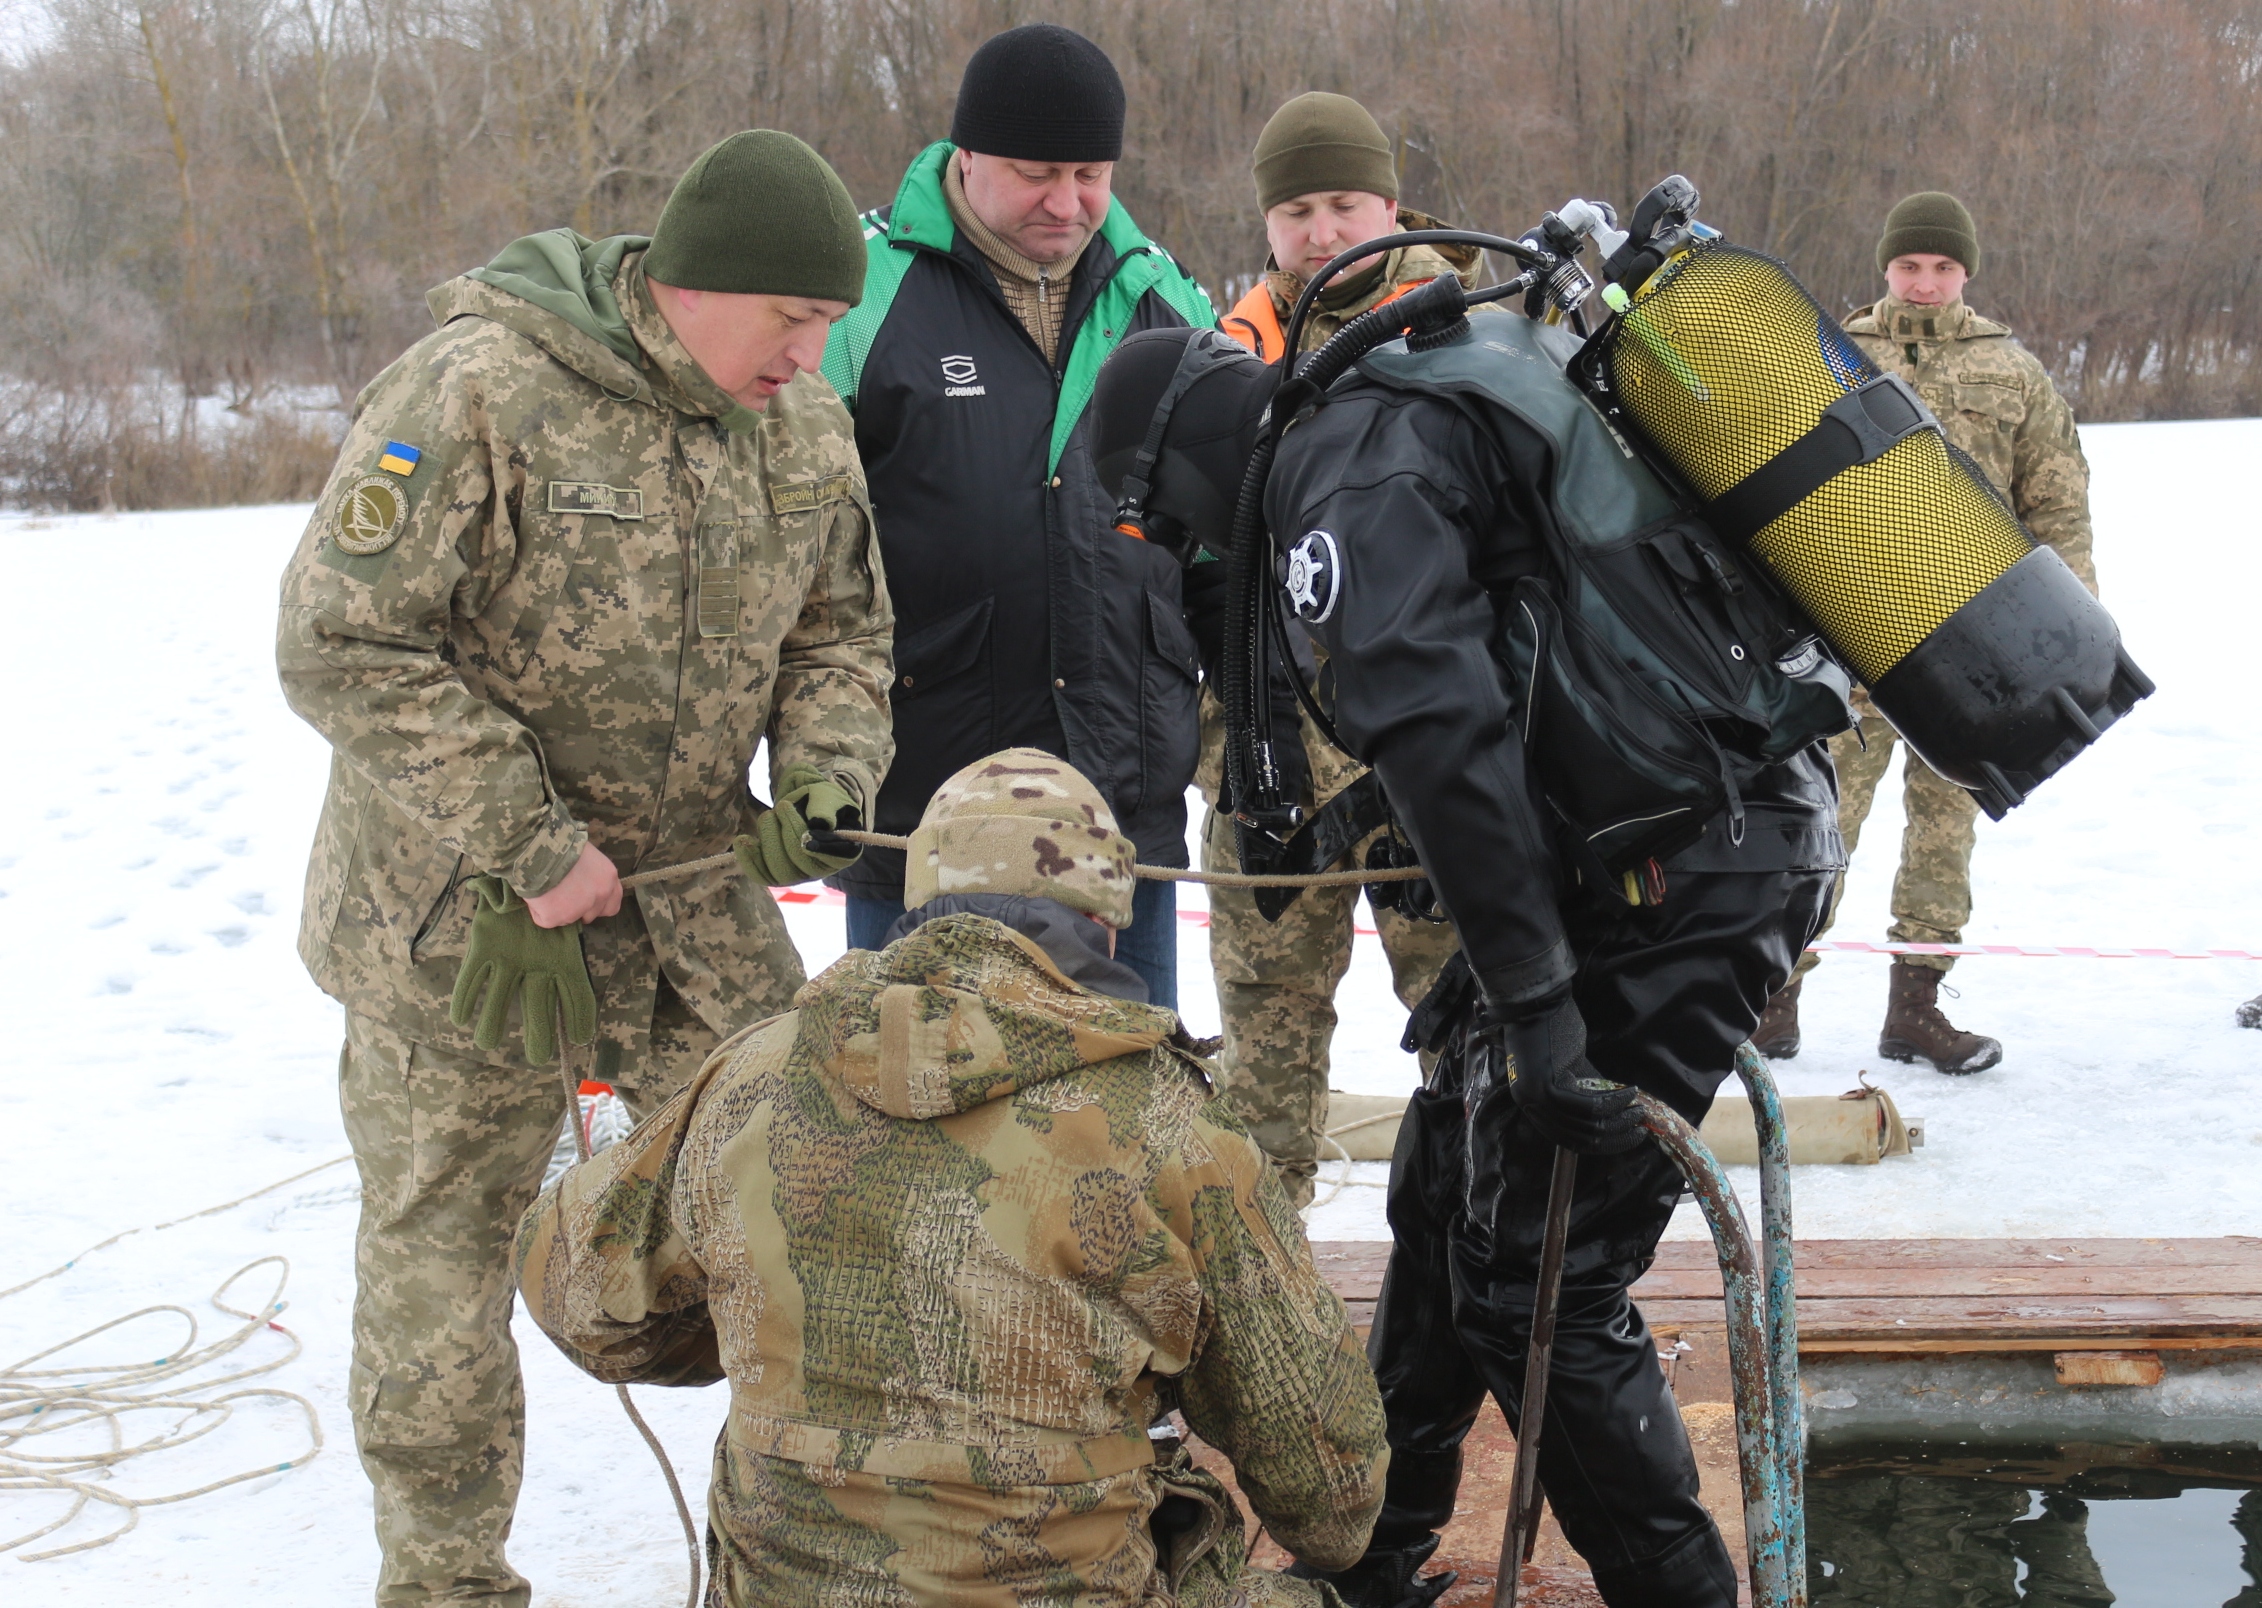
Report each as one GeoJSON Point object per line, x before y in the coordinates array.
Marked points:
{"type": "Point", "coordinates": [1252, 781]}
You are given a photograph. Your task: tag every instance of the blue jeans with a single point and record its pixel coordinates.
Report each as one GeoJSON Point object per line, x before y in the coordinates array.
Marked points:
{"type": "Point", "coordinates": [1149, 946]}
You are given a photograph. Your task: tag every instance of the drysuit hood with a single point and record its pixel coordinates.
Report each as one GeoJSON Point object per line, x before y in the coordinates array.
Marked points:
{"type": "Point", "coordinates": [959, 1012]}
{"type": "Point", "coordinates": [1206, 444]}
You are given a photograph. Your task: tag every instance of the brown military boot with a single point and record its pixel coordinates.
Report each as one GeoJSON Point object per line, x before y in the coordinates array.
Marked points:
{"type": "Point", "coordinates": [1777, 1036]}
{"type": "Point", "coordinates": [1916, 1031]}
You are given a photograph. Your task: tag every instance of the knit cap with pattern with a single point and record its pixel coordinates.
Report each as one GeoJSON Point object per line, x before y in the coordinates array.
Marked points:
{"type": "Point", "coordinates": [1022, 822]}
{"type": "Point", "coordinates": [1037, 292]}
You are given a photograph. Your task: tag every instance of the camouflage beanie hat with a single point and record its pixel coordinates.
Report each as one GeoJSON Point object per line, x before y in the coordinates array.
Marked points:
{"type": "Point", "coordinates": [1022, 822]}
{"type": "Point", "coordinates": [1932, 224]}
{"type": "Point", "coordinates": [1322, 142]}
{"type": "Point", "coordinates": [760, 214]}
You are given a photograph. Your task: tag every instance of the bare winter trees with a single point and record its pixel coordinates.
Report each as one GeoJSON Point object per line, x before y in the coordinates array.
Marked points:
{"type": "Point", "coordinates": [229, 195]}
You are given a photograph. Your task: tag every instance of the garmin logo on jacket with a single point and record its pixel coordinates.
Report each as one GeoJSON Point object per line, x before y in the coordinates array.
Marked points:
{"type": "Point", "coordinates": [959, 378]}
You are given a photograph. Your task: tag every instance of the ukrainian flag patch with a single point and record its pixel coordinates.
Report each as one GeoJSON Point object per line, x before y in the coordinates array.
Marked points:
{"type": "Point", "coordinates": [399, 458]}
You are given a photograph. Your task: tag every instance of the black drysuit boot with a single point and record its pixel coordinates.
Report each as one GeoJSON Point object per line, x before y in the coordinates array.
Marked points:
{"type": "Point", "coordinates": [1667, 992]}
{"type": "Point", "coordinates": [1386, 1578]}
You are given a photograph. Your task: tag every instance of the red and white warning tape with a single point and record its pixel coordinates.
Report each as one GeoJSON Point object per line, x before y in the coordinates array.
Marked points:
{"type": "Point", "coordinates": [2038, 951]}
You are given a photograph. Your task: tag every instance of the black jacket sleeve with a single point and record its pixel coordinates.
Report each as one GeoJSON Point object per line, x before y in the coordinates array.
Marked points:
{"type": "Point", "coordinates": [1422, 508]}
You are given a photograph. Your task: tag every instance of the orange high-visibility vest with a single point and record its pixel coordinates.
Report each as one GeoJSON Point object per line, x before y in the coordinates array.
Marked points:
{"type": "Point", "coordinates": [1255, 322]}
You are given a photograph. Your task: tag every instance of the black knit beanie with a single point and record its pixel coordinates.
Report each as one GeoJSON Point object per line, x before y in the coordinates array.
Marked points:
{"type": "Point", "coordinates": [1931, 223]}
{"type": "Point", "coordinates": [760, 213]}
{"type": "Point", "coordinates": [1040, 93]}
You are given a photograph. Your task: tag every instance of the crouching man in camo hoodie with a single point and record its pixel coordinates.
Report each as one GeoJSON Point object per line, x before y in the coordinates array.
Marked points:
{"type": "Point", "coordinates": [958, 1229]}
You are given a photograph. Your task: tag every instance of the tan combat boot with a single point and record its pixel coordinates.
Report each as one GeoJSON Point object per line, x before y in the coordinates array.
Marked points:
{"type": "Point", "coordinates": [1777, 1036]}
{"type": "Point", "coordinates": [1916, 1031]}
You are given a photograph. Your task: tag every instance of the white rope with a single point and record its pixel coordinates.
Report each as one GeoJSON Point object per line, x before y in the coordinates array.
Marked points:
{"type": "Point", "coordinates": [38, 1402]}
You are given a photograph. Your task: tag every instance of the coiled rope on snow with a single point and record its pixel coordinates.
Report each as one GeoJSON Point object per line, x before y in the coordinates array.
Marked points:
{"type": "Point", "coordinates": [36, 1403]}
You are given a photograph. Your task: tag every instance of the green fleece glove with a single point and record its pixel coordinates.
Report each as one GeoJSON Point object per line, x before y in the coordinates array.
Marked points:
{"type": "Point", "coordinates": [510, 956]}
{"type": "Point", "coordinates": [773, 854]}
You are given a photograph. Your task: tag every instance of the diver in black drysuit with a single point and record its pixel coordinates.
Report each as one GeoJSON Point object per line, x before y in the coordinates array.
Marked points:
{"type": "Point", "coordinates": [1435, 505]}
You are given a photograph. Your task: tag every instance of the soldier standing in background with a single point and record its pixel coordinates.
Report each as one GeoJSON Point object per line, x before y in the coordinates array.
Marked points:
{"type": "Point", "coordinates": [957, 1230]}
{"type": "Point", "coordinates": [1997, 405]}
{"type": "Point", "coordinates": [585, 547]}
{"type": "Point", "coordinates": [1326, 181]}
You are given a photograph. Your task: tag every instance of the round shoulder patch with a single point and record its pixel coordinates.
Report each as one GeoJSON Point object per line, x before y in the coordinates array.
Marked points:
{"type": "Point", "coordinates": [370, 515]}
{"type": "Point", "coordinates": [1315, 576]}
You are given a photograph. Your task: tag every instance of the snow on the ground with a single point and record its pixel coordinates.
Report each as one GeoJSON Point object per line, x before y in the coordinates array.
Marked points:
{"type": "Point", "coordinates": [170, 1053]}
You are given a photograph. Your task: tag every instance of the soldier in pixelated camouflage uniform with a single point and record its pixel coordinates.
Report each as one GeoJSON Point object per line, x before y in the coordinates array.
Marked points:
{"type": "Point", "coordinates": [1997, 405]}
{"type": "Point", "coordinates": [957, 1230]}
{"type": "Point", "coordinates": [1326, 181]}
{"type": "Point", "coordinates": [584, 548]}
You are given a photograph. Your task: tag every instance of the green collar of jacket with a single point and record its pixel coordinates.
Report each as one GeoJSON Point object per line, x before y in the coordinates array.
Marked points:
{"type": "Point", "coordinates": [921, 218]}
{"type": "Point", "coordinates": [596, 289]}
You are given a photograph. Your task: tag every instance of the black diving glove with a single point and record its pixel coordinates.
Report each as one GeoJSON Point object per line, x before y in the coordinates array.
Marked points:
{"type": "Point", "coordinates": [1544, 1054]}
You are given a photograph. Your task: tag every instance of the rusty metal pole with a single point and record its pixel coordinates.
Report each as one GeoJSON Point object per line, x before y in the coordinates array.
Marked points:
{"type": "Point", "coordinates": [1520, 1532]}
{"type": "Point", "coordinates": [1782, 1313]}
{"type": "Point", "coordinates": [1740, 1278]}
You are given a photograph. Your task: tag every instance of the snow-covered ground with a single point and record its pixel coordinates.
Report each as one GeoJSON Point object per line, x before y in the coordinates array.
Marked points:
{"type": "Point", "coordinates": [170, 1053]}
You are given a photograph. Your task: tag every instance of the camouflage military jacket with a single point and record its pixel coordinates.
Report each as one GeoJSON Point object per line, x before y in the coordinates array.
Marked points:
{"type": "Point", "coordinates": [954, 1229]}
{"type": "Point", "coordinates": [1996, 402]}
{"type": "Point", "coordinates": [548, 597]}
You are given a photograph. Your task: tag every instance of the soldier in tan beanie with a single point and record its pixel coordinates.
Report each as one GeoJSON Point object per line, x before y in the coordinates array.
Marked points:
{"type": "Point", "coordinates": [958, 1228]}
{"type": "Point", "coordinates": [1026, 839]}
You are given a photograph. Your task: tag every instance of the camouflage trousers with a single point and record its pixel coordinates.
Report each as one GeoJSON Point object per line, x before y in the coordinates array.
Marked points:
{"type": "Point", "coordinates": [1276, 983]}
{"type": "Point", "coordinates": [451, 1153]}
{"type": "Point", "coordinates": [1932, 888]}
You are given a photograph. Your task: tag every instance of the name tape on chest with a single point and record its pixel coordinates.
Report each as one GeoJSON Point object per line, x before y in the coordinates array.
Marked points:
{"type": "Point", "coordinates": [799, 496]}
{"type": "Point", "coordinates": [590, 497]}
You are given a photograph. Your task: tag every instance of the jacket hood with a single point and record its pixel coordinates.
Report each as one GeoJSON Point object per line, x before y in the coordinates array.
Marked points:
{"type": "Point", "coordinates": [960, 1012]}
{"type": "Point", "coordinates": [556, 289]}
{"type": "Point", "coordinates": [585, 303]}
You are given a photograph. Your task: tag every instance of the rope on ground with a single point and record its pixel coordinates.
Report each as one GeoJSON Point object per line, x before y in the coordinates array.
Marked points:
{"type": "Point", "coordinates": [1343, 1179]}
{"type": "Point", "coordinates": [571, 1079]}
{"type": "Point", "coordinates": [153, 1228]}
{"type": "Point", "coordinates": [1147, 873]}
{"type": "Point", "coordinates": [53, 1401]}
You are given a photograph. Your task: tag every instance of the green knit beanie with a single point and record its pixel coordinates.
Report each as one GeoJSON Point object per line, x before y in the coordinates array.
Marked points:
{"type": "Point", "coordinates": [1932, 224]}
{"type": "Point", "coordinates": [760, 214]}
{"type": "Point", "coordinates": [1320, 142]}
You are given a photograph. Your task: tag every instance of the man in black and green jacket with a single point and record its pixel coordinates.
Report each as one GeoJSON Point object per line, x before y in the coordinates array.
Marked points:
{"type": "Point", "coordinates": [999, 280]}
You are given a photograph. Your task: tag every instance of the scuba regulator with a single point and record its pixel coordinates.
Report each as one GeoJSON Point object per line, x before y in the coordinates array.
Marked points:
{"type": "Point", "coordinates": [1885, 550]}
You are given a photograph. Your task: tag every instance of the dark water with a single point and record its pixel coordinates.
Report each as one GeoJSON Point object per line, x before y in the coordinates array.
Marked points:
{"type": "Point", "coordinates": [2067, 1526]}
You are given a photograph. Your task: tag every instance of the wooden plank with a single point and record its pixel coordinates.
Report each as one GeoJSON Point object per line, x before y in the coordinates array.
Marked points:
{"type": "Point", "coordinates": [1991, 1345]}
{"type": "Point", "coordinates": [2120, 1315]}
{"type": "Point", "coordinates": [2230, 1251]}
{"type": "Point", "coordinates": [1918, 1295]}
{"type": "Point", "coordinates": [1895, 1283]}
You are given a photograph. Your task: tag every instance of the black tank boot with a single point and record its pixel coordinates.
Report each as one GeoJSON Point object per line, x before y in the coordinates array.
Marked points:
{"type": "Point", "coordinates": [1393, 1578]}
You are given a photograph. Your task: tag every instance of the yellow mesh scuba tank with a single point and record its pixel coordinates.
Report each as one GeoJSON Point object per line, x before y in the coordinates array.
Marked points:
{"type": "Point", "coordinates": [1980, 646]}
